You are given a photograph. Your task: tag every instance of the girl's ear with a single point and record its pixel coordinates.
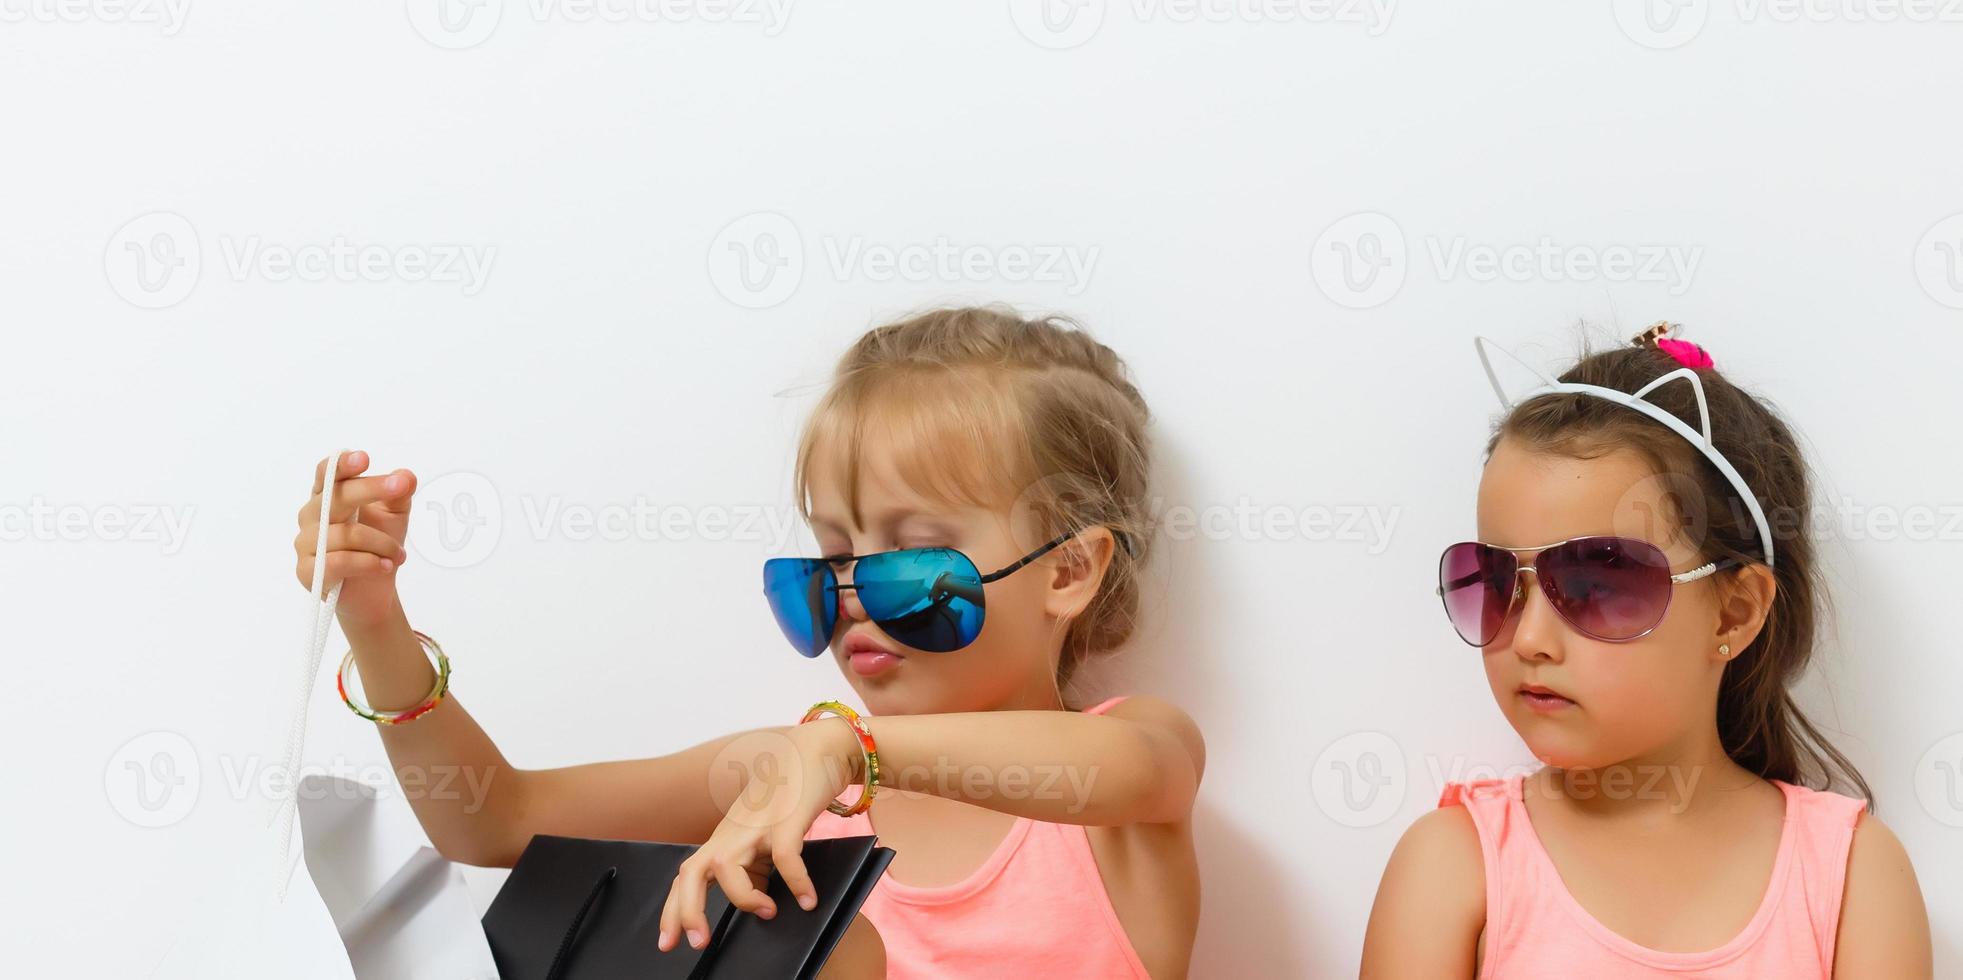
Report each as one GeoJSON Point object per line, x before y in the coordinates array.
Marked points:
{"type": "Point", "coordinates": [1078, 571]}
{"type": "Point", "coordinates": [1744, 602]}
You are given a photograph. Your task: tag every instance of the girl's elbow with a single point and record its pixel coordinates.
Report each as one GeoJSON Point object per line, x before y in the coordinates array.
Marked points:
{"type": "Point", "coordinates": [1166, 783]}
{"type": "Point", "coordinates": [480, 854]}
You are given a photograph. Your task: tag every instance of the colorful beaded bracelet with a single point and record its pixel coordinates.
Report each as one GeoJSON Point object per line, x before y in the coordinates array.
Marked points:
{"type": "Point", "coordinates": [397, 717]}
{"type": "Point", "coordinates": [866, 746]}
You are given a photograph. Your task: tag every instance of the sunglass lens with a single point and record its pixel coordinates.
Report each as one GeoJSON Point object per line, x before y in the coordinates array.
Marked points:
{"type": "Point", "coordinates": [1609, 588]}
{"type": "Point", "coordinates": [1476, 582]}
{"type": "Point", "coordinates": [926, 598]}
{"type": "Point", "coordinates": [802, 599]}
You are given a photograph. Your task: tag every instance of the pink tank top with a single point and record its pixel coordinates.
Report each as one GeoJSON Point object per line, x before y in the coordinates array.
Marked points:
{"type": "Point", "coordinates": [1535, 928]}
{"type": "Point", "coordinates": [1036, 908]}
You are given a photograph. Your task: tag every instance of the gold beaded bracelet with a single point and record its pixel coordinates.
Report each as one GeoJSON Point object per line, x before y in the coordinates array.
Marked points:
{"type": "Point", "coordinates": [866, 746]}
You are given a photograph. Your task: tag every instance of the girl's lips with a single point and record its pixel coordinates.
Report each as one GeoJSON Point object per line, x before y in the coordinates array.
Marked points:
{"type": "Point", "coordinates": [867, 657]}
{"type": "Point", "coordinates": [867, 663]}
{"type": "Point", "coordinates": [1542, 699]}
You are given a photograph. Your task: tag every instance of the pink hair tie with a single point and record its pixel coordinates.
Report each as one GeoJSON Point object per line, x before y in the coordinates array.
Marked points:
{"type": "Point", "coordinates": [1685, 353]}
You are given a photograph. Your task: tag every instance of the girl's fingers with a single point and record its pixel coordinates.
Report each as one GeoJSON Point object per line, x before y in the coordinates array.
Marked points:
{"type": "Point", "coordinates": [347, 488]}
{"type": "Point", "coordinates": [741, 891]}
{"type": "Point", "coordinates": [671, 911]}
{"type": "Point", "coordinates": [666, 935]}
{"type": "Point", "coordinates": [401, 491]}
{"type": "Point", "coordinates": [788, 858]}
{"type": "Point", "coordinates": [361, 537]}
{"type": "Point", "coordinates": [665, 940]}
{"type": "Point", "coordinates": [684, 911]}
{"type": "Point", "coordinates": [351, 465]}
{"type": "Point", "coordinates": [688, 914]}
{"type": "Point", "coordinates": [344, 565]}
{"type": "Point", "coordinates": [351, 537]}
{"type": "Point", "coordinates": [352, 495]}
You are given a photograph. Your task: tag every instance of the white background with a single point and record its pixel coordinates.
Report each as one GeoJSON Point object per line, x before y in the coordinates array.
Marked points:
{"type": "Point", "coordinates": [1198, 165]}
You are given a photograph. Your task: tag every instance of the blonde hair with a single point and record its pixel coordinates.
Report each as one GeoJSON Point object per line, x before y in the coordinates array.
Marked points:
{"type": "Point", "coordinates": [984, 407]}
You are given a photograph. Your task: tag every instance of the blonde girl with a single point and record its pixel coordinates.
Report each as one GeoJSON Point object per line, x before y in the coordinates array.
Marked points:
{"type": "Point", "coordinates": [1006, 457]}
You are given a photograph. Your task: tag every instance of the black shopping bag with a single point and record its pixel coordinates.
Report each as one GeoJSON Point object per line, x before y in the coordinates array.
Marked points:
{"type": "Point", "coordinates": [578, 909]}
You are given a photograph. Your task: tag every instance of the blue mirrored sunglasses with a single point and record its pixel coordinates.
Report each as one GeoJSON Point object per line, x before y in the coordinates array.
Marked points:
{"type": "Point", "coordinates": [926, 598]}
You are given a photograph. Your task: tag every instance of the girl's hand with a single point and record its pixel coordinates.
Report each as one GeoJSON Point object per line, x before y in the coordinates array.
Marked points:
{"type": "Point", "coordinates": [369, 522]}
{"type": "Point", "coordinates": [789, 785]}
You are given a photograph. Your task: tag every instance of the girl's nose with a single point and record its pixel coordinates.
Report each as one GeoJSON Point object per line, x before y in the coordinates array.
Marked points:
{"type": "Point", "coordinates": [849, 608]}
{"type": "Point", "coordinates": [1538, 631]}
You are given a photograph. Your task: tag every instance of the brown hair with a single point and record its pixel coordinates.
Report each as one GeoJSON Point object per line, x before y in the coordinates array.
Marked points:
{"type": "Point", "coordinates": [987, 408]}
{"type": "Point", "coordinates": [1760, 725]}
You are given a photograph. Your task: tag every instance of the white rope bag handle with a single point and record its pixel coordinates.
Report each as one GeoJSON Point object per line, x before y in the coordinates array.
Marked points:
{"type": "Point", "coordinates": [286, 801]}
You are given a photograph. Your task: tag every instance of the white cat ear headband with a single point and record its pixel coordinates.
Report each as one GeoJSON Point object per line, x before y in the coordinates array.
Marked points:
{"type": "Point", "coordinates": [1687, 354]}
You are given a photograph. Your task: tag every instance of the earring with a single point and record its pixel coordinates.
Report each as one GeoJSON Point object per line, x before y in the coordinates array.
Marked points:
{"type": "Point", "coordinates": [1724, 650]}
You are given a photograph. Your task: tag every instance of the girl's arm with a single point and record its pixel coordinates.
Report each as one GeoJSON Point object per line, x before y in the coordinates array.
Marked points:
{"type": "Point", "coordinates": [479, 809]}
{"type": "Point", "coordinates": [1884, 927]}
{"type": "Point", "coordinates": [1138, 763]}
{"type": "Point", "coordinates": [474, 805]}
{"type": "Point", "coordinates": [1431, 904]}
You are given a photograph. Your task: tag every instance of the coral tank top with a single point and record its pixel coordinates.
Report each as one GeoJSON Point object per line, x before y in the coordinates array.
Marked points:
{"type": "Point", "coordinates": [1535, 928]}
{"type": "Point", "coordinates": [1036, 908]}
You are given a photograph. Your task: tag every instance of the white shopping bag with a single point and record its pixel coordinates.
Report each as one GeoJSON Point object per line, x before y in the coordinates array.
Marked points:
{"type": "Point", "coordinates": [368, 899]}
{"type": "Point", "coordinates": [252, 931]}
{"type": "Point", "coordinates": [402, 910]}
{"type": "Point", "coordinates": [343, 884]}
